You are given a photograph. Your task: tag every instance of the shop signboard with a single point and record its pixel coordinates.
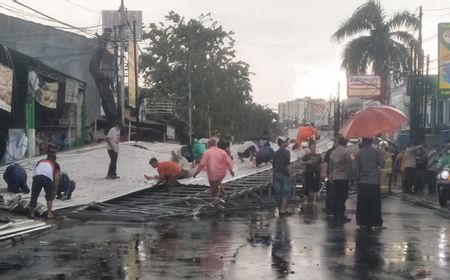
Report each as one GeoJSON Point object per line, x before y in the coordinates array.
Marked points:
{"type": "Point", "coordinates": [71, 91]}
{"type": "Point", "coordinates": [6, 80]}
{"type": "Point", "coordinates": [365, 86]}
{"type": "Point", "coordinates": [444, 58]}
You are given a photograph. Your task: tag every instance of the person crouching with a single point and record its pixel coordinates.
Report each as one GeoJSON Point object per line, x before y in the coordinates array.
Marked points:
{"type": "Point", "coordinates": [168, 173]}
{"type": "Point", "coordinates": [46, 176]}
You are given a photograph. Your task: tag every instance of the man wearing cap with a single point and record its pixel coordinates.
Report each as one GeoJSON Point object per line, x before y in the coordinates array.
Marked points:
{"type": "Point", "coordinates": [168, 172]}
{"type": "Point", "coordinates": [216, 162]}
{"type": "Point", "coordinates": [281, 175]}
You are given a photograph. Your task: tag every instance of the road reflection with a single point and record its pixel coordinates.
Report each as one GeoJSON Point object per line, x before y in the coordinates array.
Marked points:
{"type": "Point", "coordinates": [281, 248]}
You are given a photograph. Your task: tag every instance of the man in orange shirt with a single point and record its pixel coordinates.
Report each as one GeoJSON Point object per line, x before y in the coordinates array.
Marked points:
{"type": "Point", "coordinates": [168, 173]}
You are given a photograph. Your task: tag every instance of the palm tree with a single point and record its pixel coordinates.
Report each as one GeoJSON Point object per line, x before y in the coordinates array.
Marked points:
{"type": "Point", "coordinates": [378, 43]}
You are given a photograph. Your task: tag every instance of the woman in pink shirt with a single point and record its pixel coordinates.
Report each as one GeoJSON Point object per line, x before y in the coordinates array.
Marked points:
{"type": "Point", "coordinates": [217, 162]}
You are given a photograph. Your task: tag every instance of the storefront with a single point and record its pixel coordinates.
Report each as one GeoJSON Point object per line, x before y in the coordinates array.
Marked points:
{"type": "Point", "coordinates": [45, 105]}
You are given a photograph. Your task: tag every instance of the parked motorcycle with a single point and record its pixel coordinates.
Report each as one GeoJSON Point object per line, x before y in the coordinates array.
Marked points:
{"type": "Point", "coordinates": [443, 186]}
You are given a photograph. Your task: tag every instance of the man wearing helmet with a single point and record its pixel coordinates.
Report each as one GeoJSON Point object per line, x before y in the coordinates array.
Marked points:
{"type": "Point", "coordinates": [444, 160]}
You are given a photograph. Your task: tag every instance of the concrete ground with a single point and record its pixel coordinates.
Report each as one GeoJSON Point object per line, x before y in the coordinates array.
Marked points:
{"type": "Point", "coordinates": [251, 245]}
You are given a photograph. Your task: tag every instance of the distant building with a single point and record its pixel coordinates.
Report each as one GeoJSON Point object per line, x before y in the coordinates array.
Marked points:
{"type": "Point", "coordinates": [304, 110]}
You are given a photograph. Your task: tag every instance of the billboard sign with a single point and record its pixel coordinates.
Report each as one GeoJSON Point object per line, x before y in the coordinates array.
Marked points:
{"type": "Point", "coordinates": [6, 80]}
{"type": "Point", "coordinates": [444, 57]}
{"type": "Point", "coordinates": [363, 86]}
{"type": "Point", "coordinates": [111, 19]}
{"type": "Point", "coordinates": [131, 75]}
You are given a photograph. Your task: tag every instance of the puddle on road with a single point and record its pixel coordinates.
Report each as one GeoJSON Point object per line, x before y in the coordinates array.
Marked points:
{"type": "Point", "coordinates": [245, 245]}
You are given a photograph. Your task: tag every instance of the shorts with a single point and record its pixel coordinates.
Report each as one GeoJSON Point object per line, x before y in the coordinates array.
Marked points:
{"type": "Point", "coordinates": [282, 186]}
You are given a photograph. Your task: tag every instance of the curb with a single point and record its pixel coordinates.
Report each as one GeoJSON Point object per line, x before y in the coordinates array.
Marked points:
{"type": "Point", "coordinates": [418, 200]}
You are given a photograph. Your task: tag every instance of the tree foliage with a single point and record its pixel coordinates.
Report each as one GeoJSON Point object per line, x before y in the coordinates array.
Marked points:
{"type": "Point", "coordinates": [200, 53]}
{"type": "Point", "coordinates": [378, 43]}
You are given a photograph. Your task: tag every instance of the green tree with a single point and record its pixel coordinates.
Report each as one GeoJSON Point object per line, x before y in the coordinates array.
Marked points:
{"type": "Point", "coordinates": [377, 43]}
{"type": "Point", "coordinates": [201, 53]}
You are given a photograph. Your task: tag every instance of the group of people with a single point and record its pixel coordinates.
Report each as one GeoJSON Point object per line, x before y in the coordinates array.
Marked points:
{"type": "Point", "coordinates": [215, 160]}
{"type": "Point", "coordinates": [47, 176]}
{"type": "Point", "coordinates": [339, 166]}
{"type": "Point", "coordinates": [418, 167]}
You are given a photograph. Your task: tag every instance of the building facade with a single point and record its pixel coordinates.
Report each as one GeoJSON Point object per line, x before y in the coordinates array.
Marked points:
{"type": "Point", "coordinates": [304, 110]}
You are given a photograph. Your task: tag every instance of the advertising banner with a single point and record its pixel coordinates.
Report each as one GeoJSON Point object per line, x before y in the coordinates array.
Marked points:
{"type": "Point", "coordinates": [46, 93]}
{"type": "Point", "coordinates": [131, 75]}
{"type": "Point", "coordinates": [363, 86]}
{"type": "Point", "coordinates": [6, 80]}
{"type": "Point", "coordinates": [444, 57]}
{"type": "Point", "coordinates": [71, 91]}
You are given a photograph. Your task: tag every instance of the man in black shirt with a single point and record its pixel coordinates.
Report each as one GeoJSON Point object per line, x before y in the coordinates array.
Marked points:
{"type": "Point", "coordinates": [281, 175]}
{"type": "Point", "coordinates": [312, 162]}
{"type": "Point", "coordinates": [326, 174]}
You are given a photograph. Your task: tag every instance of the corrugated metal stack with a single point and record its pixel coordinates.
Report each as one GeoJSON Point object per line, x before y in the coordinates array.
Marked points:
{"type": "Point", "coordinates": [20, 227]}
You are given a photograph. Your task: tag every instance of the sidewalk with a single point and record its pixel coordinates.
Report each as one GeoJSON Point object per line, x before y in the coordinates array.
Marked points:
{"type": "Point", "coordinates": [425, 200]}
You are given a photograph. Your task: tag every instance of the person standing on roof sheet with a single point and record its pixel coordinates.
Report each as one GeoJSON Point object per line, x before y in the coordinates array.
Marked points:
{"type": "Point", "coordinates": [198, 150]}
{"type": "Point", "coordinates": [341, 169]}
{"type": "Point", "coordinates": [312, 163]}
{"type": "Point", "coordinates": [368, 205]}
{"type": "Point", "coordinates": [225, 145]}
{"type": "Point", "coordinates": [216, 162]}
{"type": "Point", "coordinates": [264, 154]}
{"type": "Point", "coordinates": [248, 150]}
{"type": "Point", "coordinates": [15, 177]}
{"type": "Point", "coordinates": [46, 176]}
{"type": "Point", "coordinates": [168, 173]}
{"type": "Point", "coordinates": [282, 175]}
{"type": "Point", "coordinates": [186, 167]}
{"type": "Point", "coordinates": [306, 133]}
{"type": "Point", "coordinates": [113, 139]}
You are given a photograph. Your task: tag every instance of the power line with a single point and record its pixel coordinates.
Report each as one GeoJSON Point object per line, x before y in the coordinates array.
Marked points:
{"type": "Point", "coordinates": [52, 18]}
{"type": "Point", "coordinates": [83, 7]}
{"type": "Point", "coordinates": [431, 10]}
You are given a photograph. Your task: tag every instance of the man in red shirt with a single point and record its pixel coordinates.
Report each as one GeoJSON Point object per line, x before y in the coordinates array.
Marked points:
{"type": "Point", "coordinates": [168, 172]}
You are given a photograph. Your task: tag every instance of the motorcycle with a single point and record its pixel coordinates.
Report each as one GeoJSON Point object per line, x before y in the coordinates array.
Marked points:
{"type": "Point", "coordinates": [443, 186]}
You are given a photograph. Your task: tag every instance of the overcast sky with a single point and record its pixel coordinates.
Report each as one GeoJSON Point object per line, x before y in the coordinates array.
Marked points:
{"type": "Point", "coordinates": [286, 42]}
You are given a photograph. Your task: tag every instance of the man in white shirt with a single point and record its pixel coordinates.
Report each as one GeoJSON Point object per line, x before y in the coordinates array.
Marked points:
{"type": "Point", "coordinates": [113, 139]}
{"type": "Point", "coordinates": [46, 175]}
{"type": "Point", "coordinates": [248, 150]}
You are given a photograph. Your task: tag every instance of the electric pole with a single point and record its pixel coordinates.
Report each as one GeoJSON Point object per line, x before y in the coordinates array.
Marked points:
{"type": "Point", "coordinates": [137, 103]}
{"type": "Point", "coordinates": [122, 60]}
{"type": "Point", "coordinates": [420, 136]}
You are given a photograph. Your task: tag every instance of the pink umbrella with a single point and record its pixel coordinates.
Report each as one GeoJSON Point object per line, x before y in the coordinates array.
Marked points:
{"type": "Point", "coordinates": [372, 121]}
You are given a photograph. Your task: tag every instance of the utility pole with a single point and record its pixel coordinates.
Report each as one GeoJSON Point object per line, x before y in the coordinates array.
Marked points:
{"type": "Point", "coordinates": [190, 96]}
{"type": "Point", "coordinates": [337, 117]}
{"type": "Point", "coordinates": [137, 105]}
{"type": "Point", "coordinates": [420, 137]}
{"type": "Point", "coordinates": [122, 60]}
{"type": "Point", "coordinates": [425, 93]}
{"type": "Point", "coordinates": [118, 81]}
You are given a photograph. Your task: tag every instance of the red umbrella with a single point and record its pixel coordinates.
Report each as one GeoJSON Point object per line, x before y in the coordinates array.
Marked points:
{"type": "Point", "coordinates": [372, 121]}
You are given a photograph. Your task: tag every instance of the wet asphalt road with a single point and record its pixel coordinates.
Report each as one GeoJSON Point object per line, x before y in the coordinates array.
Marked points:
{"type": "Point", "coordinates": [250, 245]}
